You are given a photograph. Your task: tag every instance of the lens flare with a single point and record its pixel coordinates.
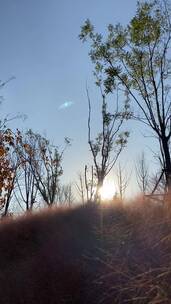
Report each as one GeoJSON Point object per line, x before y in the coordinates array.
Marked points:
{"type": "Point", "coordinates": [65, 105]}
{"type": "Point", "coordinates": [107, 191]}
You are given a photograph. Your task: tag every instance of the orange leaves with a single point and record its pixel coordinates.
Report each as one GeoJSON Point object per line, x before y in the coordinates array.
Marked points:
{"type": "Point", "coordinates": [2, 151]}
{"type": "Point", "coordinates": [28, 149]}
{"type": "Point", "coordinates": [2, 202]}
{"type": "Point", "coordinates": [7, 170]}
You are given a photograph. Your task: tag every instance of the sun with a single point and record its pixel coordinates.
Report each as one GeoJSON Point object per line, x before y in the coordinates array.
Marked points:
{"type": "Point", "coordinates": [107, 191]}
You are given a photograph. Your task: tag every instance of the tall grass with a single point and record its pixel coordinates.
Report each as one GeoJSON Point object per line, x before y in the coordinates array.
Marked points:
{"type": "Point", "coordinates": [92, 254]}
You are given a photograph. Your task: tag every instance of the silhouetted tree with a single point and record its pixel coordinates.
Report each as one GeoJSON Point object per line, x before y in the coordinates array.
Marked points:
{"type": "Point", "coordinates": [108, 144]}
{"type": "Point", "coordinates": [86, 186]}
{"type": "Point", "coordinates": [80, 188]}
{"type": "Point", "coordinates": [45, 164]}
{"type": "Point", "coordinates": [65, 195]}
{"type": "Point", "coordinates": [142, 174]}
{"type": "Point", "coordinates": [137, 57]}
{"type": "Point", "coordinates": [26, 190]}
{"type": "Point", "coordinates": [122, 181]}
{"type": "Point", "coordinates": [46, 167]}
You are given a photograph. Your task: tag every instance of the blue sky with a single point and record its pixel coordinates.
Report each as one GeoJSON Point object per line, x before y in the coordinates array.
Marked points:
{"type": "Point", "coordinates": [40, 47]}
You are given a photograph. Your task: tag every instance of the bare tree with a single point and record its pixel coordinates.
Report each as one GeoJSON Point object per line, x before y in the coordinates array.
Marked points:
{"type": "Point", "coordinates": [65, 195]}
{"type": "Point", "coordinates": [26, 189]}
{"type": "Point", "coordinates": [80, 188]}
{"type": "Point", "coordinates": [108, 144]}
{"type": "Point", "coordinates": [86, 185]}
{"type": "Point", "coordinates": [122, 181]}
{"type": "Point", "coordinates": [47, 172]}
{"type": "Point", "coordinates": [142, 174]}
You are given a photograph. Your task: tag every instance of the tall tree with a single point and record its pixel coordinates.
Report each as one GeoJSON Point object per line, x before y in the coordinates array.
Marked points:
{"type": "Point", "coordinates": [137, 57]}
{"type": "Point", "coordinates": [110, 141]}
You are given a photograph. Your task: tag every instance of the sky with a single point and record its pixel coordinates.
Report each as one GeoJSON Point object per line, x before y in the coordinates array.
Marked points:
{"type": "Point", "coordinates": [40, 47]}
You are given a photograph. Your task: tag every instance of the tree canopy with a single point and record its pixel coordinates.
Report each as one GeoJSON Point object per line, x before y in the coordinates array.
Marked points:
{"type": "Point", "coordinates": [136, 57]}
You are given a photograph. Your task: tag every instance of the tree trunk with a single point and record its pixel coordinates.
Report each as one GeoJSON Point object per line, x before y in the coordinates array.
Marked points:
{"type": "Point", "coordinates": [99, 186]}
{"type": "Point", "coordinates": [6, 207]}
{"type": "Point", "coordinates": [167, 163]}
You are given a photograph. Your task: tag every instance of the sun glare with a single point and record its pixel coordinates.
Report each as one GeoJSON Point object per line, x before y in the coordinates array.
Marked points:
{"type": "Point", "coordinates": [108, 191]}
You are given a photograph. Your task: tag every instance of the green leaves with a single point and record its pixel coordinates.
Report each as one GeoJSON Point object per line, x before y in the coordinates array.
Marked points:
{"type": "Point", "coordinates": [117, 36]}
{"type": "Point", "coordinates": [136, 58]}
{"type": "Point", "coordinates": [97, 143]}
{"type": "Point", "coordinates": [145, 27]}
{"type": "Point", "coordinates": [86, 30]}
{"type": "Point", "coordinates": [126, 54]}
{"type": "Point", "coordinates": [122, 139]}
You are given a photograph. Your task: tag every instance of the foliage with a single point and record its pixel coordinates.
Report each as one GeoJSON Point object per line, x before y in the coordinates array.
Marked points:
{"type": "Point", "coordinates": [26, 190]}
{"type": "Point", "coordinates": [45, 163]}
{"type": "Point", "coordinates": [136, 57]}
{"type": "Point", "coordinates": [8, 165]}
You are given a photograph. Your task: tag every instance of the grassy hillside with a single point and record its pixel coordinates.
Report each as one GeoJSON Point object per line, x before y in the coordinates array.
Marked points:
{"type": "Point", "coordinates": [87, 255]}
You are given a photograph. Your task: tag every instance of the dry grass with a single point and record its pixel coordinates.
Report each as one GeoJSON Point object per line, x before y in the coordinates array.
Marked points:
{"type": "Point", "coordinates": [87, 255]}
